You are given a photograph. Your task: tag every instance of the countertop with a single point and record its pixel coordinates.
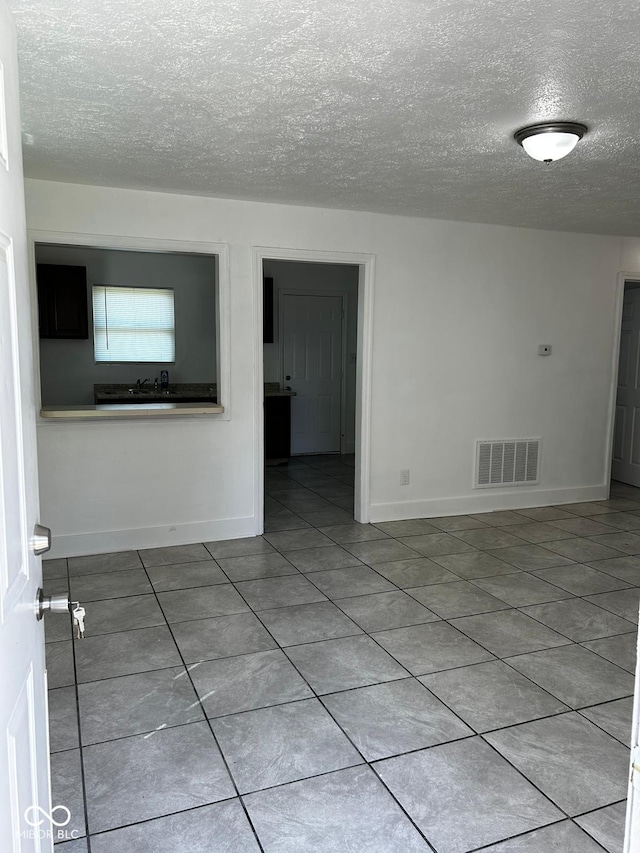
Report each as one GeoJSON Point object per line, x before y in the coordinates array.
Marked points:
{"type": "Point", "coordinates": [129, 394]}
{"type": "Point", "coordinates": [273, 389]}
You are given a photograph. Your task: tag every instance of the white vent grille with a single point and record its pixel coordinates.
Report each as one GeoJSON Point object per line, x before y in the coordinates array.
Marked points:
{"type": "Point", "coordinates": [507, 462]}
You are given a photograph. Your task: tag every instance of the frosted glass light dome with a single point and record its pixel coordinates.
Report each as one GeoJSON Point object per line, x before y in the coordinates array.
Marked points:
{"type": "Point", "coordinates": [549, 142]}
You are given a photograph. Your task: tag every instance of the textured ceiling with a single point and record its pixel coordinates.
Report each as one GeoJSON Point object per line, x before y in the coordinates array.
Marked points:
{"type": "Point", "coordinates": [397, 106]}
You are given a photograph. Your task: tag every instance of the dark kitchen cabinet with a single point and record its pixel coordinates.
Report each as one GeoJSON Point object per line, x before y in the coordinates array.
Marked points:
{"type": "Point", "coordinates": [62, 301]}
{"type": "Point", "coordinates": [277, 428]}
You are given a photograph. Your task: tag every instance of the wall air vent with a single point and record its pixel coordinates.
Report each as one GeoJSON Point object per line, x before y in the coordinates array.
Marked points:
{"type": "Point", "coordinates": [507, 462]}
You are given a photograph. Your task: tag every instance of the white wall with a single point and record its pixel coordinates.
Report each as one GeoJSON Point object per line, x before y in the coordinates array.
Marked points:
{"type": "Point", "coordinates": [459, 311]}
{"type": "Point", "coordinates": [291, 275]}
{"type": "Point", "coordinates": [68, 370]}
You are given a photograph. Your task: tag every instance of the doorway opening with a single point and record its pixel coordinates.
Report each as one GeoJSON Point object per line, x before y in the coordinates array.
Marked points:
{"type": "Point", "coordinates": [625, 456]}
{"type": "Point", "coordinates": [315, 365]}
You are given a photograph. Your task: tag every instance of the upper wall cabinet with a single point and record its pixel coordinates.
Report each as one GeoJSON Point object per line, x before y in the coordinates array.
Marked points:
{"type": "Point", "coordinates": [62, 301]}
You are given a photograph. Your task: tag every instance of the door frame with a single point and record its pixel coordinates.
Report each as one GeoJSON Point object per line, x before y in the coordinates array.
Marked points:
{"type": "Point", "coordinates": [364, 354]}
{"type": "Point", "coordinates": [342, 294]}
{"type": "Point", "coordinates": [622, 279]}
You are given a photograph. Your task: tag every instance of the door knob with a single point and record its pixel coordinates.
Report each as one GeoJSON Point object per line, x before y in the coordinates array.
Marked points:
{"type": "Point", "coordinates": [287, 378]}
{"type": "Point", "coordinates": [51, 603]}
{"type": "Point", "coordinates": [41, 540]}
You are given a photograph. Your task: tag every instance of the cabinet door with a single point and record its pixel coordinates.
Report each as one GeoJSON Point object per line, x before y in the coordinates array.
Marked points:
{"type": "Point", "coordinates": [62, 301]}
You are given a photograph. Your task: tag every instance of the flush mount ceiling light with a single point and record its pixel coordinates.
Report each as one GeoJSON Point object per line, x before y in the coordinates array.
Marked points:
{"type": "Point", "coordinates": [550, 141]}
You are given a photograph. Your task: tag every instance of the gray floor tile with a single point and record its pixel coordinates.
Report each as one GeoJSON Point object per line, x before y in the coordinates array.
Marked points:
{"type": "Point", "coordinates": [575, 675]}
{"type": "Point", "coordinates": [273, 746]}
{"type": "Point", "coordinates": [356, 580]}
{"type": "Point", "coordinates": [428, 648]}
{"type": "Point", "coordinates": [110, 585]}
{"type": "Point", "coordinates": [292, 540]}
{"type": "Point", "coordinates": [257, 566]}
{"type": "Point", "coordinates": [492, 695]}
{"type": "Point", "coordinates": [563, 837]}
{"type": "Point", "coordinates": [66, 789]}
{"type": "Point", "coordinates": [325, 517]}
{"type": "Point", "coordinates": [185, 831]}
{"type": "Point", "coordinates": [621, 504]}
{"type": "Point", "coordinates": [622, 520]}
{"type": "Point", "coordinates": [418, 572]}
{"type": "Point", "coordinates": [569, 759]}
{"type": "Point", "coordinates": [538, 532]}
{"type": "Point", "coordinates": [508, 632]}
{"type": "Point", "coordinates": [489, 537]}
{"type": "Point", "coordinates": [450, 523]}
{"type": "Point", "coordinates": [579, 620]}
{"type": "Point", "coordinates": [173, 555]}
{"type": "Point", "coordinates": [78, 845]}
{"type": "Point", "coordinates": [623, 603]}
{"type": "Point", "coordinates": [279, 592]}
{"type": "Point", "coordinates": [59, 661]}
{"type": "Point", "coordinates": [388, 719]}
{"type": "Point", "coordinates": [436, 544]}
{"type": "Point", "coordinates": [410, 527]}
{"type": "Point", "coordinates": [125, 653]}
{"type": "Point", "coordinates": [63, 719]}
{"type": "Point", "coordinates": [500, 518]}
{"type": "Point", "coordinates": [186, 575]}
{"type": "Point", "coordinates": [142, 777]}
{"type": "Point", "coordinates": [544, 513]}
{"type": "Point", "coordinates": [627, 542]}
{"type": "Point", "coordinates": [380, 551]}
{"type": "Point", "coordinates": [581, 550]}
{"type": "Point", "coordinates": [284, 521]}
{"type": "Point", "coordinates": [445, 791]}
{"type": "Point", "coordinates": [533, 557]}
{"type": "Point", "coordinates": [614, 717]}
{"type": "Point", "coordinates": [385, 610]}
{"type": "Point", "coordinates": [334, 665]}
{"type": "Point", "coordinates": [99, 563]}
{"type": "Point", "coordinates": [520, 589]}
{"type": "Point", "coordinates": [58, 627]}
{"type": "Point", "coordinates": [348, 810]}
{"type": "Point", "coordinates": [245, 682]}
{"type": "Point", "coordinates": [123, 614]}
{"type": "Point", "coordinates": [449, 600]}
{"type": "Point", "coordinates": [344, 533]}
{"type": "Point", "coordinates": [238, 547]}
{"type": "Point", "coordinates": [306, 623]}
{"type": "Point", "coordinates": [580, 580]}
{"type": "Point", "coordinates": [606, 826]}
{"type": "Point", "coordinates": [145, 702]}
{"type": "Point", "coordinates": [185, 604]}
{"type": "Point", "coordinates": [221, 637]}
{"type": "Point", "coordinates": [587, 508]}
{"type": "Point", "coordinates": [319, 559]}
{"type": "Point", "coordinates": [54, 569]}
{"type": "Point", "coordinates": [624, 568]}
{"type": "Point", "coordinates": [620, 650]}
{"type": "Point", "coordinates": [581, 526]}
{"type": "Point", "coordinates": [475, 564]}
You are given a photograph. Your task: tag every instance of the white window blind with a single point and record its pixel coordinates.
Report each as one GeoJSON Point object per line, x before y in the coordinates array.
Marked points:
{"type": "Point", "coordinates": [133, 324]}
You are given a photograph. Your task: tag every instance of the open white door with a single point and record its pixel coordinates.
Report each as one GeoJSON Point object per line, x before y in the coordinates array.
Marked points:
{"type": "Point", "coordinates": [625, 463]}
{"type": "Point", "coordinates": [632, 829]}
{"type": "Point", "coordinates": [24, 759]}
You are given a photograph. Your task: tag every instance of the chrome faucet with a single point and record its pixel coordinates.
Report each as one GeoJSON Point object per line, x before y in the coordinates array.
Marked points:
{"type": "Point", "coordinates": [140, 383]}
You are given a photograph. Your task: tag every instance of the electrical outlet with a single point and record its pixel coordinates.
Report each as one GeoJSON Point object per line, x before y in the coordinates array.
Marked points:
{"type": "Point", "coordinates": [404, 477]}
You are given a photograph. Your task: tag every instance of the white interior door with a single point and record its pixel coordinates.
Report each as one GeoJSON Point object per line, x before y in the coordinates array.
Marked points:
{"type": "Point", "coordinates": [632, 829]}
{"type": "Point", "coordinates": [625, 465]}
{"type": "Point", "coordinates": [24, 759]}
{"type": "Point", "coordinates": [312, 367]}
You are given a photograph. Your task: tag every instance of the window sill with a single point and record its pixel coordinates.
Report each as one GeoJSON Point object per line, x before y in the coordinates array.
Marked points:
{"type": "Point", "coordinates": [115, 411]}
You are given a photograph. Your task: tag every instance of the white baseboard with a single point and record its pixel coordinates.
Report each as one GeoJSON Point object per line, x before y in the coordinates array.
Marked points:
{"type": "Point", "coordinates": [105, 542]}
{"type": "Point", "coordinates": [485, 502]}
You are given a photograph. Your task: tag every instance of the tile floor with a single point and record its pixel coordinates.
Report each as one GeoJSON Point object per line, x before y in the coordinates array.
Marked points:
{"type": "Point", "coordinates": [448, 684]}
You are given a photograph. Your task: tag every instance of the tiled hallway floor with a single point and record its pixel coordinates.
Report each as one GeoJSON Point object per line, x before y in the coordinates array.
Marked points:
{"type": "Point", "coordinates": [449, 684]}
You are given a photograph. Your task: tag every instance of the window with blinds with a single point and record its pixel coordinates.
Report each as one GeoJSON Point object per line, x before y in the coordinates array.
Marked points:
{"type": "Point", "coordinates": [134, 324]}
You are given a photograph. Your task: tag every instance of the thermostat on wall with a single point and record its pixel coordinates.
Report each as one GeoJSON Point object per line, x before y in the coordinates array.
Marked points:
{"type": "Point", "coordinates": [544, 349]}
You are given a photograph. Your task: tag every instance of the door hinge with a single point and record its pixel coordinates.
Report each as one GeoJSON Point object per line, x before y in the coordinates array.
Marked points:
{"type": "Point", "coordinates": [635, 768]}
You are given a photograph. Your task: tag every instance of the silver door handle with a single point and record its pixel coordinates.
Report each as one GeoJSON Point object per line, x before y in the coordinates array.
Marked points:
{"type": "Point", "coordinates": [41, 540]}
{"type": "Point", "coordinates": [51, 604]}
